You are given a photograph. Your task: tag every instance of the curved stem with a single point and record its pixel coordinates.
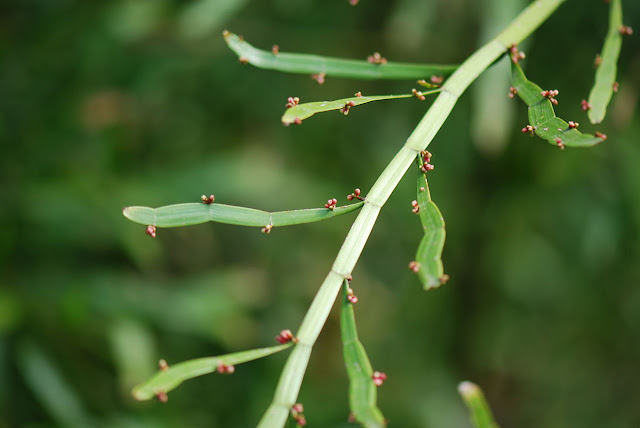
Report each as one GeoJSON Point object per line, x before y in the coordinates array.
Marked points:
{"type": "Point", "coordinates": [291, 379]}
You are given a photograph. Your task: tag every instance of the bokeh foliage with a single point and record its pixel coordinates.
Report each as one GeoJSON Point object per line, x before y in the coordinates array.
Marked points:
{"type": "Point", "coordinates": [108, 104]}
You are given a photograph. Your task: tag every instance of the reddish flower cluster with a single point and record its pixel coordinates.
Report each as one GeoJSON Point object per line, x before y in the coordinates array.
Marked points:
{"type": "Point", "coordinates": [378, 378]}
{"type": "Point", "coordinates": [226, 369]}
{"type": "Point", "coordinates": [267, 229]}
{"type": "Point", "coordinates": [426, 161]}
{"type": "Point", "coordinates": [376, 58]}
{"type": "Point", "coordinates": [585, 105]}
{"type": "Point", "coordinates": [418, 94]}
{"type": "Point", "coordinates": [319, 77]}
{"type": "Point", "coordinates": [601, 135]}
{"type": "Point", "coordinates": [331, 203]}
{"type": "Point", "coordinates": [551, 94]}
{"type": "Point", "coordinates": [351, 297]}
{"type": "Point", "coordinates": [528, 128]}
{"type": "Point", "coordinates": [437, 80]}
{"type": "Point", "coordinates": [512, 92]}
{"type": "Point", "coordinates": [292, 102]}
{"type": "Point", "coordinates": [414, 266]}
{"type": "Point", "coordinates": [208, 199]}
{"type": "Point", "coordinates": [275, 49]}
{"type": "Point", "coordinates": [573, 125]}
{"type": "Point", "coordinates": [151, 231]}
{"type": "Point", "coordinates": [296, 414]}
{"type": "Point", "coordinates": [415, 206]}
{"type": "Point", "coordinates": [516, 55]}
{"type": "Point", "coordinates": [347, 107]}
{"type": "Point", "coordinates": [559, 143]}
{"type": "Point", "coordinates": [625, 30]}
{"type": "Point", "coordinates": [285, 336]}
{"type": "Point", "coordinates": [355, 195]}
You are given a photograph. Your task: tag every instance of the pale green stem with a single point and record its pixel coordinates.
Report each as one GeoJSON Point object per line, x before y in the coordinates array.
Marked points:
{"type": "Point", "coordinates": [291, 379]}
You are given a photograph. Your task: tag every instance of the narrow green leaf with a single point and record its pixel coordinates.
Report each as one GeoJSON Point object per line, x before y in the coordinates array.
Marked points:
{"type": "Point", "coordinates": [200, 18]}
{"type": "Point", "coordinates": [602, 90]}
{"type": "Point", "coordinates": [166, 380]}
{"type": "Point", "coordinates": [303, 111]}
{"type": "Point", "coordinates": [196, 213]}
{"type": "Point", "coordinates": [429, 255]}
{"type": "Point", "coordinates": [473, 397]}
{"type": "Point", "coordinates": [362, 390]}
{"type": "Point", "coordinates": [313, 64]}
{"type": "Point", "coordinates": [51, 389]}
{"type": "Point", "coordinates": [542, 116]}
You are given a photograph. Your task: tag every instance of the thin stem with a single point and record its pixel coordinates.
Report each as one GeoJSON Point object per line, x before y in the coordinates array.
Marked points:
{"type": "Point", "coordinates": [291, 379]}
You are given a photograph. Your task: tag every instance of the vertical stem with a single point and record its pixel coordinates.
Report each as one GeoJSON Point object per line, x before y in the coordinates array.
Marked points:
{"type": "Point", "coordinates": [291, 378]}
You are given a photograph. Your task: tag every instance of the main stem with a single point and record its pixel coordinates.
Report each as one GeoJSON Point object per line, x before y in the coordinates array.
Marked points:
{"type": "Point", "coordinates": [291, 378]}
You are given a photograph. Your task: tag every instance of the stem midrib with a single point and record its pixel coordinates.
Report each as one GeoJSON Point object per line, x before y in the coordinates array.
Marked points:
{"type": "Point", "coordinates": [291, 378]}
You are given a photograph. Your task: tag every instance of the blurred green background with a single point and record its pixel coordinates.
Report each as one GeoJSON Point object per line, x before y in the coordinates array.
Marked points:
{"type": "Point", "coordinates": [108, 104]}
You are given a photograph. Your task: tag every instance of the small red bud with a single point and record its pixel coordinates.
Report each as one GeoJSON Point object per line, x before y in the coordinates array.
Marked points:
{"type": "Point", "coordinates": [378, 378]}
{"type": "Point", "coordinates": [626, 30]}
{"type": "Point", "coordinates": [151, 231]}
{"type": "Point", "coordinates": [585, 105]}
{"type": "Point", "coordinates": [162, 397]}
{"type": "Point", "coordinates": [162, 364]}
{"type": "Point", "coordinates": [319, 77]}
{"type": "Point", "coordinates": [275, 49]}
{"type": "Point", "coordinates": [601, 135]}
{"type": "Point", "coordinates": [573, 124]}
{"type": "Point", "coordinates": [414, 266]}
{"type": "Point", "coordinates": [285, 336]}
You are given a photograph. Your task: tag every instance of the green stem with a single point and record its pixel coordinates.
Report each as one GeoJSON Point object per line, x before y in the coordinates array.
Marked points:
{"type": "Point", "coordinates": [291, 379]}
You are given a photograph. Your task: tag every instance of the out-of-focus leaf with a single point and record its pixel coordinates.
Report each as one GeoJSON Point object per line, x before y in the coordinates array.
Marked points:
{"type": "Point", "coordinates": [303, 111]}
{"type": "Point", "coordinates": [193, 213]}
{"type": "Point", "coordinates": [132, 20]}
{"type": "Point", "coordinates": [328, 66]}
{"type": "Point", "coordinates": [602, 90]}
{"type": "Point", "coordinates": [51, 389]}
{"type": "Point", "coordinates": [362, 391]}
{"type": "Point", "coordinates": [480, 411]}
{"type": "Point", "coordinates": [170, 378]}
{"type": "Point", "coordinates": [490, 135]}
{"type": "Point", "coordinates": [202, 17]}
{"type": "Point", "coordinates": [429, 255]}
{"type": "Point", "coordinates": [542, 116]}
{"type": "Point", "coordinates": [133, 347]}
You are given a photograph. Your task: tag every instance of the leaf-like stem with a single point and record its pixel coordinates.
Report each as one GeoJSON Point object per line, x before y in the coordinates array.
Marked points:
{"type": "Point", "coordinates": [544, 122]}
{"type": "Point", "coordinates": [473, 397]}
{"type": "Point", "coordinates": [293, 373]}
{"type": "Point", "coordinates": [362, 391]}
{"type": "Point", "coordinates": [171, 377]}
{"type": "Point", "coordinates": [428, 263]}
{"type": "Point", "coordinates": [298, 113]}
{"type": "Point", "coordinates": [196, 213]}
{"type": "Point", "coordinates": [327, 66]}
{"type": "Point", "coordinates": [603, 87]}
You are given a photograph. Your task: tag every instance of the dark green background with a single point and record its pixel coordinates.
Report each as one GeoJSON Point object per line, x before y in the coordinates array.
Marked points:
{"type": "Point", "coordinates": [108, 104]}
